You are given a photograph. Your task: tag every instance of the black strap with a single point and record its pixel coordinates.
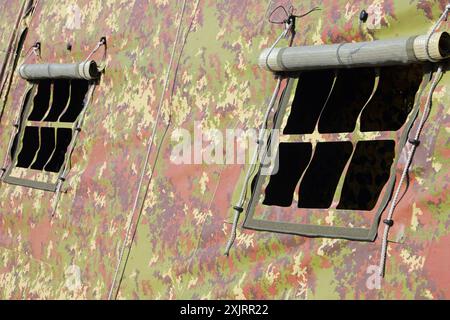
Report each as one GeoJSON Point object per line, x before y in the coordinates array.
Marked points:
{"type": "Point", "coordinates": [414, 142]}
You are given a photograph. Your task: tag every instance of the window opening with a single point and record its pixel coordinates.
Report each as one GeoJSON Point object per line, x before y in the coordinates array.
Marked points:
{"type": "Point", "coordinates": [48, 120]}
{"type": "Point", "coordinates": [319, 183]}
{"type": "Point", "coordinates": [338, 148]}
{"type": "Point", "coordinates": [368, 172]}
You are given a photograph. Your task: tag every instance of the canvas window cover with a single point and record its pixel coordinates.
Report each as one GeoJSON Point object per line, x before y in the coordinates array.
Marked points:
{"type": "Point", "coordinates": [341, 133]}
{"type": "Point", "coordinates": [51, 109]}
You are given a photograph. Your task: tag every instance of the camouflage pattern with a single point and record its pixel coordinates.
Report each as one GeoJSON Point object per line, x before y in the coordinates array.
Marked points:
{"type": "Point", "coordinates": [177, 251]}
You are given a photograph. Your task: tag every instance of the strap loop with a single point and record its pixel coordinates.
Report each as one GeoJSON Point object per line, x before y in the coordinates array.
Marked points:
{"type": "Point", "coordinates": [414, 142]}
{"type": "Point", "coordinates": [289, 28]}
{"type": "Point", "coordinates": [102, 42]}
{"type": "Point", "coordinates": [35, 49]}
{"type": "Point", "coordinates": [443, 17]}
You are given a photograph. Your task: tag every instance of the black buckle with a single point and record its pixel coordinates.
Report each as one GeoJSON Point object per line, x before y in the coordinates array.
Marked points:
{"type": "Point", "coordinates": [363, 16]}
{"type": "Point", "coordinates": [388, 222]}
{"type": "Point", "coordinates": [414, 142]}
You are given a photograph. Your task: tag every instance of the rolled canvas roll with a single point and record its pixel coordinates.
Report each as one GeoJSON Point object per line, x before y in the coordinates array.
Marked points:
{"type": "Point", "coordinates": [359, 54]}
{"type": "Point", "coordinates": [84, 70]}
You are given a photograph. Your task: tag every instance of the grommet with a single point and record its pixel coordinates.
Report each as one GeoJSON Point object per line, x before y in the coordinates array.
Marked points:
{"type": "Point", "coordinates": [414, 142]}
{"type": "Point", "coordinates": [363, 16]}
{"type": "Point", "coordinates": [69, 46]}
{"type": "Point", "coordinates": [390, 223]}
{"type": "Point", "coordinates": [78, 129]}
{"type": "Point", "coordinates": [238, 209]}
{"type": "Point", "coordinates": [103, 40]}
{"type": "Point", "coordinates": [62, 179]}
{"type": "Point", "coordinates": [4, 169]}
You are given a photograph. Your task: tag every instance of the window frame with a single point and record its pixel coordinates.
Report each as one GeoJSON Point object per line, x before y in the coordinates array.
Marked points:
{"type": "Point", "coordinates": [43, 180]}
{"type": "Point", "coordinates": [329, 231]}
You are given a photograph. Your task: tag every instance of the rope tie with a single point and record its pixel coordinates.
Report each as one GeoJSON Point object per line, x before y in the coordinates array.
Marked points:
{"type": "Point", "coordinates": [70, 149]}
{"type": "Point", "coordinates": [389, 222]}
{"type": "Point", "coordinates": [79, 122]}
{"type": "Point", "coordinates": [238, 208]}
{"type": "Point", "coordinates": [289, 26]}
{"type": "Point", "coordinates": [101, 43]}
{"type": "Point", "coordinates": [443, 17]}
{"type": "Point", "coordinates": [415, 142]}
{"type": "Point", "coordinates": [36, 50]}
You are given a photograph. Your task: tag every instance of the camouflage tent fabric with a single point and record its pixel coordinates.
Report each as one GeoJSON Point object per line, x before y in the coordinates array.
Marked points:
{"type": "Point", "coordinates": [177, 248]}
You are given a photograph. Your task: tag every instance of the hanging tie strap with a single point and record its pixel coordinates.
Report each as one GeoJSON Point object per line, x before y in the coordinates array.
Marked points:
{"type": "Point", "coordinates": [86, 70]}
{"type": "Point", "coordinates": [443, 17]}
{"type": "Point", "coordinates": [70, 149]}
{"type": "Point", "coordinates": [415, 142]}
{"type": "Point", "coordinates": [289, 27]}
{"type": "Point", "coordinates": [389, 222]}
{"type": "Point", "coordinates": [35, 50]}
{"type": "Point", "coordinates": [238, 208]}
{"type": "Point", "coordinates": [78, 125]}
{"type": "Point", "coordinates": [101, 43]}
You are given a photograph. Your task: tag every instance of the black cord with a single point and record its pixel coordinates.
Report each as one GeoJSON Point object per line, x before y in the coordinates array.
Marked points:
{"type": "Point", "coordinates": [289, 14]}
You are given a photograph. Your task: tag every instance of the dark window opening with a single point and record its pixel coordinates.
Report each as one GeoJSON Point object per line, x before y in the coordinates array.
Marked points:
{"type": "Point", "coordinates": [342, 170]}
{"type": "Point", "coordinates": [76, 104]}
{"type": "Point", "coordinates": [368, 172]}
{"type": "Point", "coordinates": [351, 91]}
{"type": "Point", "coordinates": [39, 151]}
{"type": "Point", "coordinates": [41, 101]}
{"type": "Point", "coordinates": [312, 91]}
{"type": "Point", "coordinates": [30, 145]}
{"type": "Point", "coordinates": [318, 186]}
{"type": "Point", "coordinates": [61, 91]}
{"type": "Point", "coordinates": [393, 100]}
{"type": "Point", "coordinates": [63, 138]}
{"type": "Point", "coordinates": [44, 147]}
{"type": "Point", "coordinates": [293, 159]}
{"type": "Point", "coordinates": [47, 146]}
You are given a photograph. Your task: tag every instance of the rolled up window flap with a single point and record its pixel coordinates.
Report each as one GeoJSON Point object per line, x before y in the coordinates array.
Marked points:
{"type": "Point", "coordinates": [361, 54]}
{"type": "Point", "coordinates": [86, 70]}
